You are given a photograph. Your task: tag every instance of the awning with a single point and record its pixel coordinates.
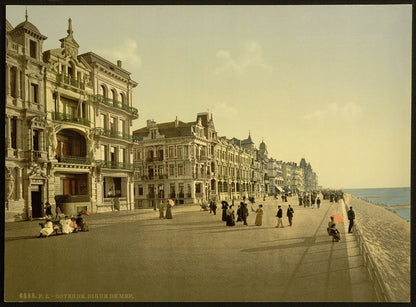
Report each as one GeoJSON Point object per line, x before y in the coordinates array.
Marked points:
{"type": "Point", "coordinates": [287, 189]}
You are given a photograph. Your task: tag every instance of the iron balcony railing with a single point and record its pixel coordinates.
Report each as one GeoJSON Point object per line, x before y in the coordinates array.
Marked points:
{"type": "Point", "coordinates": [63, 117]}
{"type": "Point", "coordinates": [74, 160]}
{"type": "Point", "coordinates": [114, 165]}
{"type": "Point", "coordinates": [67, 79]}
{"type": "Point", "coordinates": [116, 104]}
{"type": "Point", "coordinates": [113, 134]}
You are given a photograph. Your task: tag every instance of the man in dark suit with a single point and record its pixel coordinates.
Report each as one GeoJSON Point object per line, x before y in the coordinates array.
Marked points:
{"type": "Point", "coordinates": [351, 217]}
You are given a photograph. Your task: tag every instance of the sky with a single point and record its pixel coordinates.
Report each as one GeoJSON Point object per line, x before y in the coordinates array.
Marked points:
{"type": "Point", "coordinates": [331, 84]}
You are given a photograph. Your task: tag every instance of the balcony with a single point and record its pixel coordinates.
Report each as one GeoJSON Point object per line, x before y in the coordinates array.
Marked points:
{"type": "Point", "coordinates": [37, 155]}
{"type": "Point", "coordinates": [114, 165]}
{"type": "Point", "coordinates": [74, 160]}
{"type": "Point", "coordinates": [67, 79]}
{"type": "Point", "coordinates": [113, 134]}
{"type": "Point", "coordinates": [63, 117]}
{"type": "Point", "coordinates": [116, 104]}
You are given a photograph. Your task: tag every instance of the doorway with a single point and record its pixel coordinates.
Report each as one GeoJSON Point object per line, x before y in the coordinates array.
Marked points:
{"type": "Point", "coordinates": [37, 203]}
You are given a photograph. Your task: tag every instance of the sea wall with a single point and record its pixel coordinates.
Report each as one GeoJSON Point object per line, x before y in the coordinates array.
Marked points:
{"type": "Point", "coordinates": [387, 236]}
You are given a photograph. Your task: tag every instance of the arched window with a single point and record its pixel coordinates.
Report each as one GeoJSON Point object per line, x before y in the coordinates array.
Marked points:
{"type": "Point", "coordinates": [103, 91]}
{"type": "Point", "coordinates": [122, 99]}
{"type": "Point", "coordinates": [114, 95]}
{"type": "Point", "coordinates": [71, 70]}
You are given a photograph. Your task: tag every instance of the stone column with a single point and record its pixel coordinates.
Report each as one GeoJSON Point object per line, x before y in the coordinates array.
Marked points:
{"type": "Point", "coordinates": [7, 79]}
{"type": "Point", "coordinates": [18, 85]}
{"type": "Point", "coordinates": [8, 132]}
{"type": "Point", "coordinates": [58, 102]}
{"type": "Point", "coordinates": [19, 183]}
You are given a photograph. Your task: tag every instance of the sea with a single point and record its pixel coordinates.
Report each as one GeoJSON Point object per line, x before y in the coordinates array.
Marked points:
{"type": "Point", "coordinates": [385, 196]}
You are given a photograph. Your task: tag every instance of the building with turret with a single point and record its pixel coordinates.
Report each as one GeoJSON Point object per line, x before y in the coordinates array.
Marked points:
{"type": "Point", "coordinates": [68, 119]}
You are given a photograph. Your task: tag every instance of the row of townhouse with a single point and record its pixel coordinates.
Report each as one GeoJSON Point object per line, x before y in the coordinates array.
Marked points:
{"type": "Point", "coordinates": [188, 162]}
{"type": "Point", "coordinates": [68, 122]}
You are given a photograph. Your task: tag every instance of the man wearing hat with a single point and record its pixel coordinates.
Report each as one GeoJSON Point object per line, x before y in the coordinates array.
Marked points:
{"type": "Point", "coordinates": [351, 217]}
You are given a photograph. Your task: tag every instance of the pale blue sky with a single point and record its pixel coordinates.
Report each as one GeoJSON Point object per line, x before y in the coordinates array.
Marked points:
{"type": "Point", "coordinates": [327, 83]}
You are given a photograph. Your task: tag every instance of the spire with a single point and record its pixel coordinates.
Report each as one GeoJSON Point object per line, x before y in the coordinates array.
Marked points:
{"type": "Point", "coordinates": [26, 14]}
{"type": "Point", "coordinates": [70, 27]}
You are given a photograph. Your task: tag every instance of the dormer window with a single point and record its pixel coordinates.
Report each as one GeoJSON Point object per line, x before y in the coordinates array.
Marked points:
{"type": "Point", "coordinates": [33, 49]}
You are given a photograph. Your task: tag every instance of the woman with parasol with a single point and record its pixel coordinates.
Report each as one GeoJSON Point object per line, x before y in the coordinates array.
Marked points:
{"type": "Point", "coordinates": [169, 206]}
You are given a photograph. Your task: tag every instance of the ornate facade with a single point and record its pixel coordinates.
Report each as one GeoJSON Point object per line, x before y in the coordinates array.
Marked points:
{"type": "Point", "coordinates": [58, 147]}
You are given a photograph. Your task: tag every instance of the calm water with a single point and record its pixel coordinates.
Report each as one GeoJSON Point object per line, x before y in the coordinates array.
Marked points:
{"type": "Point", "coordinates": [385, 196]}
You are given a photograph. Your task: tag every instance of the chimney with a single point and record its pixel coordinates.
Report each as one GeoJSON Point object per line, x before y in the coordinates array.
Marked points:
{"type": "Point", "coordinates": [118, 63]}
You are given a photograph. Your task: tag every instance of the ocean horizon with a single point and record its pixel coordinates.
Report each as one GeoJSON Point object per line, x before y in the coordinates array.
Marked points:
{"type": "Point", "coordinates": [390, 197]}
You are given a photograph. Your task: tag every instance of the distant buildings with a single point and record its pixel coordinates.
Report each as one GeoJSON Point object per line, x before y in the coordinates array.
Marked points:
{"type": "Point", "coordinates": [69, 141]}
{"type": "Point", "coordinates": [188, 162]}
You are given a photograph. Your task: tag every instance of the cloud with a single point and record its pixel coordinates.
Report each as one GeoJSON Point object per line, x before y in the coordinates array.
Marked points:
{"type": "Point", "coordinates": [224, 109]}
{"type": "Point", "coordinates": [251, 56]}
{"type": "Point", "coordinates": [126, 52]}
{"type": "Point", "coordinates": [348, 111]}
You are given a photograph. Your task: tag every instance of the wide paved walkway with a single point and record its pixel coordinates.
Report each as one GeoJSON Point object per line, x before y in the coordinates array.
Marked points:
{"type": "Point", "coordinates": [135, 256]}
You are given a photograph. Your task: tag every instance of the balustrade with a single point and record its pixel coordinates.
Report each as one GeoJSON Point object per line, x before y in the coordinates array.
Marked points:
{"type": "Point", "coordinates": [64, 117]}
{"type": "Point", "coordinates": [116, 104]}
{"type": "Point", "coordinates": [67, 79]}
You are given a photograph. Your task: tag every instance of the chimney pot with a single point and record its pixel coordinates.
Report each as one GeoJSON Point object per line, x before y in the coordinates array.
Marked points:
{"type": "Point", "coordinates": [119, 63]}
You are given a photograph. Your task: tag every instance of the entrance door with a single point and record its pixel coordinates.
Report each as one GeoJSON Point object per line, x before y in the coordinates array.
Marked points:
{"type": "Point", "coordinates": [36, 204]}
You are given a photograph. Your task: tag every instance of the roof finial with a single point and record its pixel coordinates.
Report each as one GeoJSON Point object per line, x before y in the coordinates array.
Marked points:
{"type": "Point", "coordinates": [26, 14]}
{"type": "Point", "coordinates": [69, 27]}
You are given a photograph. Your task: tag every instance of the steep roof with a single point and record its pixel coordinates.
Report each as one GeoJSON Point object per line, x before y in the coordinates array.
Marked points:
{"type": "Point", "coordinates": [169, 129]}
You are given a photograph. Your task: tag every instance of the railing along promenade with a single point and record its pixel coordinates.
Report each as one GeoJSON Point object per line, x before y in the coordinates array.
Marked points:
{"type": "Point", "coordinates": [370, 264]}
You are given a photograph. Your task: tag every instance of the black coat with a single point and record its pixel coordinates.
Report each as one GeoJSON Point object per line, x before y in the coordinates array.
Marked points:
{"type": "Point", "coordinates": [351, 214]}
{"type": "Point", "coordinates": [290, 212]}
{"type": "Point", "coordinates": [279, 213]}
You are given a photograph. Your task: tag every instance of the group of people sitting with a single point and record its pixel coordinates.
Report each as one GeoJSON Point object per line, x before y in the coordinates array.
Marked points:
{"type": "Point", "coordinates": [65, 225]}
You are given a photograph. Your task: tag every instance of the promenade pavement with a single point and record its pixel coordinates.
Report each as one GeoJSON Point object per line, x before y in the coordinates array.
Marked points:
{"type": "Point", "coordinates": [135, 256]}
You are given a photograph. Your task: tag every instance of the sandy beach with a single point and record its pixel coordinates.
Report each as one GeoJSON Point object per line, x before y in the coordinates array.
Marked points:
{"type": "Point", "coordinates": [388, 238]}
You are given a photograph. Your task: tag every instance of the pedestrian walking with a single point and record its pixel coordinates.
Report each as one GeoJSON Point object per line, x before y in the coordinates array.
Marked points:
{"type": "Point", "coordinates": [351, 217]}
{"type": "Point", "coordinates": [259, 216]}
{"type": "Point", "coordinates": [161, 210]}
{"type": "Point", "coordinates": [169, 209]}
{"type": "Point", "coordinates": [224, 210]}
{"type": "Point", "coordinates": [239, 212]}
{"type": "Point", "coordinates": [279, 217]}
{"type": "Point", "coordinates": [289, 214]}
{"type": "Point", "coordinates": [230, 216]}
{"type": "Point", "coordinates": [244, 213]}
{"type": "Point", "coordinates": [318, 202]}
{"type": "Point", "coordinates": [214, 207]}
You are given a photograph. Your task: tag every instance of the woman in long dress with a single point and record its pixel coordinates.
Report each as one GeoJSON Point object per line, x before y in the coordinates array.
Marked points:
{"type": "Point", "coordinates": [47, 229]}
{"type": "Point", "coordinates": [169, 211]}
{"type": "Point", "coordinates": [230, 216]}
{"type": "Point", "coordinates": [259, 216]}
{"type": "Point", "coordinates": [224, 210]}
